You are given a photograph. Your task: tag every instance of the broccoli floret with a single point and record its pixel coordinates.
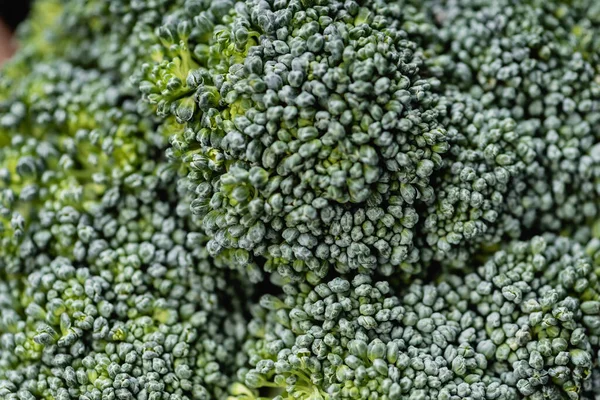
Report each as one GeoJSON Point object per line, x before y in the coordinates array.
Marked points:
{"type": "Point", "coordinates": [67, 135]}
{"type": "Point", "coordinates": [310, 136]}
{"type": "Point", "coordinates": [521, 80]}
{"type": "Point", "coordinates": [106, 287]}
{"type": "Point", "coordinates": [120, 301]}
{"type": "Point", "coordinates": [379, 137]}
{"type": "Point", "coordinates": [525, 323]}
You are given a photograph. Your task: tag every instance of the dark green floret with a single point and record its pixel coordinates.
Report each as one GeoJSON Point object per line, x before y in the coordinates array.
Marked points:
{"type": "Point", "coordinates": [524, 324]}
{"type": "Point", "coordinates": [309, 136]}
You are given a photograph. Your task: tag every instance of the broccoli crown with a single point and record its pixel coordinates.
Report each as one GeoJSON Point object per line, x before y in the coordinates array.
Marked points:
{"type": "Point", "coordinates": [379, 136]}
{"type": "Point", "coordinates": [106, 287]}
{"type": "Point", "coordinates": [301, 199]}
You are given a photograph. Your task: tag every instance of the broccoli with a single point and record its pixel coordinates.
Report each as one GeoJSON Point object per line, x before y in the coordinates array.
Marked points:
{"type": "Point", "coordinates": [523, 88]}
{"type": "Point", "coordinates": [313, 146]}
{"type": "Point", "coordinates": [439, 135]}
{"type": "Point", "coordinates": [105, 290]}
{"type": "Point", "coordinates": [525, 323]}
{"type": "Point", "coordinates": [119, 302]}
{"type": "Point", "coordinates": [301, 199]}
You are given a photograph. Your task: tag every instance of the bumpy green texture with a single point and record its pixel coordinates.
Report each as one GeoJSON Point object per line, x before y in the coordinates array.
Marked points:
{"type": "Point", "coordinates": [106, 288]}
{"type": "Point", "coordinates": [301, 199]}
{"type": "Point", "coordinates": [525, 323]}
{"type": "Point", "coordinates": [122, 301]}
{"type": "Point", "coordinates": [523, 82]}
{"type": "Point", "coordinates": [380, 135]}
{"type": "Point", "coordinates": [309, 136]}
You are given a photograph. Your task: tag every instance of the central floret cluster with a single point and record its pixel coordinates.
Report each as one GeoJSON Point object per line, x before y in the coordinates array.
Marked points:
{"type": "Point", "coordinates": [309, 137]}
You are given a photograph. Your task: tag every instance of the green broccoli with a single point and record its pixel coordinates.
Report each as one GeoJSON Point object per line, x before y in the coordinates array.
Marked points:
{"type": "Point", "coordinates": [106, 287]}
{"type": "Point", "coordinates": [522, 83]}
{"type": "Point", "coordinates": [299, 134]}
{"type": "Point", "coordinates": [311, 147]}
{"type": "Point", "coordinates": [301, 199]}
{"type": "Point", "coordinates": [524, 323]}
{"type": "Point", "coordinates": [120, 301]}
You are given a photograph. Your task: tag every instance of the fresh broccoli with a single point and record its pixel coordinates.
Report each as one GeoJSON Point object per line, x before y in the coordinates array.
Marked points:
{"type": "Point", "coordinates": [310, 136]}
{"type": "Point", "coordinates": [106, 288]}
{"type": "Point", "coordinates": [301, 199]}
{"type": "Point", "coordinates": [311, 146]}
{"type": "Point", "coordinates": [524, 323]}
{"type": "Point", "coordinates": [522, 82]}
{"type": "Point", "coordinates": [122, 301]}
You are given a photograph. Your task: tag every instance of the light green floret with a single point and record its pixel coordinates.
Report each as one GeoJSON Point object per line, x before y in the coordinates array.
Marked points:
{"type": "Point", "coordinates": [66, 135]}
{"type": "Point", "coordinates": [106, 288]}
{"type": "Point", "coordinates": [121, 302]}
